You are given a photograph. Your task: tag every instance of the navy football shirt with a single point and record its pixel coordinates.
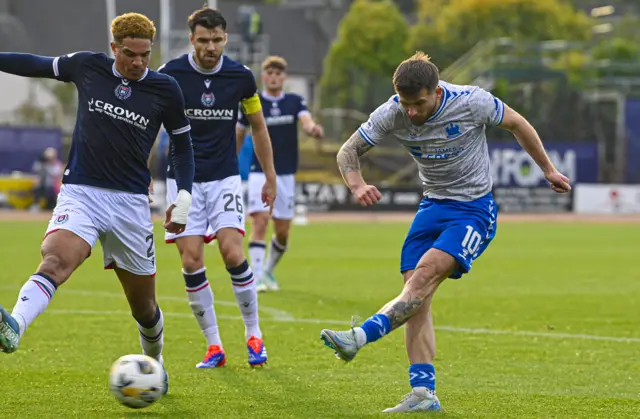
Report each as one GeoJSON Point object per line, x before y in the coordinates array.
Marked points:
{"type": "Point", "coordinates": [211, 103]}
{"type": "Point", "coordinates": [281, 115]}
{"type": "Point", "coordinates": [117, 122]}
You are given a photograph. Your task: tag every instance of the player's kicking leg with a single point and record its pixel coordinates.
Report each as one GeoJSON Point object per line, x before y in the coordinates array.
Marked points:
{"type": "Point", "coordinates": [434, 267]}
{"type": "Point", "coordinates": [62, 252]}
{"type": "Point", "coordinates": [70, 236]}
{"type": "Point", "coordinates": [190, 245]}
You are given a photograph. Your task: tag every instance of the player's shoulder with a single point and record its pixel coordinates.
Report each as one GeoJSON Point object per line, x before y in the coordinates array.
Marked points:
{"type": "Point", "coordinates": [294, 97]}
{"type": "Point", "coordinates": [97, 58]}
{"type": "Point", "coordinates": [177, 64]}
{"type": "Point", "coordinates": [162, 81]}
{"type": "Point", "coordinates": [463, 91]}
{"type": "Point", "coordinates": [389, 109]}
{"type": "Point", "coordinates": [230, 65]}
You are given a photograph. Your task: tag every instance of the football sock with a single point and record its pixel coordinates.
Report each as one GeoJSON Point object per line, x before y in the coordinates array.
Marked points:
{"type": "Point", "coordinates": [422, 375]}
{"type": "Point", "coordinates": [33, 299]}
{"type": "Point", "coordinates": [257, 249]}
{"type": "Point", "coordinates": [276, 251]}
{"type": "Point", "coordinates": [152, 335]}
{"type": "Point", "coordinates": [201, 302]}
{"type": "Point", "coordinates": [244, 288]}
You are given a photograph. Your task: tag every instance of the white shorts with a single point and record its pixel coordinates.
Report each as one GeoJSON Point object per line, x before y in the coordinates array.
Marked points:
{"type": "Point", "coordinates": [121, 220]}
{"type": "Point", "coordinates": [214, 206]}
{"type": "Point", "coordinates": [284, 207]}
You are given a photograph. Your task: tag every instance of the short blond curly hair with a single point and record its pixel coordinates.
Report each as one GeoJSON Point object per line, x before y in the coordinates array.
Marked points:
{"type": "Point", "coordinates": [132, 25]}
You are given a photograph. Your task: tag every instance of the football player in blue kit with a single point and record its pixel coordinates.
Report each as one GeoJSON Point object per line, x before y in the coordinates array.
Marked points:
{"type": "Point", "coordinates": [121, 107]}
{"type": "Point", "coordinates": [283, 111]}
{"type": "Point", "coordinates": [443, 127]}
{"type": "Point", "coordinates": [213, 86]}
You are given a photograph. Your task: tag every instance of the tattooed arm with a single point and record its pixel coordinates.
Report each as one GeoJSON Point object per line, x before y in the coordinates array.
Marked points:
{"type": "Point", "coordinates": [349, 165]}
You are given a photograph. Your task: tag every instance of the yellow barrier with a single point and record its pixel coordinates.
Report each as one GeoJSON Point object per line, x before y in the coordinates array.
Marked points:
{"type": "Point", "coordinates": [18, 190]}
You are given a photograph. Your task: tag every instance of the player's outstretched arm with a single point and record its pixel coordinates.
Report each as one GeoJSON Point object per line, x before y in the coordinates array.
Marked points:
{"type": "Point", "coordinates": [349, 164]}
{"type": "Point", "coordinates": [528, 138]}
{"type": "Point", "coordinates": [27, 65]}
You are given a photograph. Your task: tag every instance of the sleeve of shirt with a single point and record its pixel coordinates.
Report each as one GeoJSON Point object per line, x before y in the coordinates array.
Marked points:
{"type": "Point", "coordinates": [486, 108]}
{"type": "Point", "coordinates": [250, 100]}
{"type": "Point", "coordinates": [174, 119]}
{"type": "Point", "coordinates": [378, 125]}
{"type": "Point", "coordinates": [303, 109]}
{"type": "Point", "coordinates": [66, 68]}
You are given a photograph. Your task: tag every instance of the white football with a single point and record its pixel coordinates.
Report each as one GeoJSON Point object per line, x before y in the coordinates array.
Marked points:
{"type": "Point", "coordinates": [137, 381]}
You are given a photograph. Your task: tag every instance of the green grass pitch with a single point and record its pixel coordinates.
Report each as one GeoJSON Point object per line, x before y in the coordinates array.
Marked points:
{"type": "Point", "coordinates": [545, 326]}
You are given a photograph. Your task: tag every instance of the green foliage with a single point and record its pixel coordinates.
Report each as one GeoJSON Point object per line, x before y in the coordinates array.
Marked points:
{"type": "Point", "coordinates": [371, 42]}
{"type": "Point", "coordinates": [449, 28]}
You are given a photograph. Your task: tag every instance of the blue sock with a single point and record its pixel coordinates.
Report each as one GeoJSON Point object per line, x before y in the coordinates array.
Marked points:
{"type": "Point", "coordinates": [422, 375]}
{"type": "Point", "coordinates": [376, 327]}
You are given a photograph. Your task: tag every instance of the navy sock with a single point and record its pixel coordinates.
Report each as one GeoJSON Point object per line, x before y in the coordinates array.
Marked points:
{"type": "Point", "coordinates": [195, 280]}
{"type": "Point", "coordinates": [422, 375]}
{"type": "Point", "coordinates": [376, 327]}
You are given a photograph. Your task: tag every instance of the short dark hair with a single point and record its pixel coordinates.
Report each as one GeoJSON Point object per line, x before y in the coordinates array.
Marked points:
{"type": "Point", "coordinates": [208, 18]}
{"type": "Point", "coordinates": [275, 62]}
{"type": "Point", "coordinates": [416, 73]}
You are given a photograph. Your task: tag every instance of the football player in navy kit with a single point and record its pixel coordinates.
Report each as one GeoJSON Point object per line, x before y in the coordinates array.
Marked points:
{"type": "Point", "coordinates": [214, 86]}
{"type": "Point", "coordinates": [104, 196]}
{"type": "Point", "coordinates": [282, 112]}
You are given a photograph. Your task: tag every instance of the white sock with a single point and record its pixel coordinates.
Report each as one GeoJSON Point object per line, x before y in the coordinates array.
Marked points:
{"type": "Point", "coordinates": [152, 336]}
{"type": "Point", "coordinates": [276, 250]}
{"type": "Point", "coordinates": [33, 299]}
{"type": "Point", "coordinates": [201, 302]}
{"type": "Point", "coordinates": [244, 287]}
{"type": "Point", "coordinates": [257, 249]}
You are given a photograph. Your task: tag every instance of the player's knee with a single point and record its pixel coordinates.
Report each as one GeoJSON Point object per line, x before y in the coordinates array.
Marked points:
{"type": "Point", "coordinates": [424, 279]}
{"type": "Point", "coordinates": [192, 261]}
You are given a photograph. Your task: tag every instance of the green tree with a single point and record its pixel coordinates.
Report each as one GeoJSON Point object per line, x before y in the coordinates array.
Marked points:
{"type": "Point", "coordinates": [372, 40]}
{"type": "Point", "coordinates": [449, 28]}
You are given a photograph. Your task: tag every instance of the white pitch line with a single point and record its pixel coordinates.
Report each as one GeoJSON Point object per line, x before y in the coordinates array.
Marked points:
{"type": "Point", "coordinates": [284, 317]}
{"type": "Point", "coordinates": [346, 323]}
{"type": "Point", "coordinates": [273, 312]}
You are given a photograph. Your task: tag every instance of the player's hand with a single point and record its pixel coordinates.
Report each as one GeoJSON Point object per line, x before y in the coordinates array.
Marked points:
{"type": "Point", "coordinates": [177, 214]}
{"type": "Point", "coordinates": [269, 193]}
{"type": "Point", "coordinates": [559, 182]}
{"type": "Point", "coordinates": [317, 131]}
{"type": "Point", "coordinates": [367, 195]}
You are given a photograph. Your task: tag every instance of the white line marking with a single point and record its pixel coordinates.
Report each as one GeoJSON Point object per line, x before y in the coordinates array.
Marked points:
{"type": "Point", "coordinates": [284, 317]}
{"type": "Point", "coordinates": [273, 312]}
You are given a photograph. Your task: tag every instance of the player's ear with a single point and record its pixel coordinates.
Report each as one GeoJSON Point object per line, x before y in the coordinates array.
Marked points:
{"type": "Point", "coordinates": [225, 39]}
{"type": "Point", "coordinates": [191, 38]}
{"type": "Point", "coordinates": [114, 47]}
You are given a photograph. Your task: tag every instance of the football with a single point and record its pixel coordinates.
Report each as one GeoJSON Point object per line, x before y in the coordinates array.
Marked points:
{"type": "Point", "coordinates": [137, 381]}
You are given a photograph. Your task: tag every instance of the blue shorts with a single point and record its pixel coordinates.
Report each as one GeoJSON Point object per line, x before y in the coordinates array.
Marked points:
{"type": "Point", "coordinates": [461, 229]}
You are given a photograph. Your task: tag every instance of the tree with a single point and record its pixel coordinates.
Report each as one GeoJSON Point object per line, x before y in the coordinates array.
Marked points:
{"type": "Point", "coordinates": [372, 40]}
{"type": "Point", "coordinates": [449, 28]}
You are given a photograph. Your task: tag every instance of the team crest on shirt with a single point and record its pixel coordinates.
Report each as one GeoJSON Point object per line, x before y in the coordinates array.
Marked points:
{"type": "Point", "coordinates": [208, 99]}
{"type": "Point", "coordinates": [61, 219]}
{"type": "Point", "coordinates": [453, 130]}
{"type": "Point", "coordinates": [275, 111]}
{"type": "Point", "coordinates": [123, 91]}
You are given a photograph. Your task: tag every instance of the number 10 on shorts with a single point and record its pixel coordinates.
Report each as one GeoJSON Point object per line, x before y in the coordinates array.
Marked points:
{"type": "Point", "coordinates": [472, 241]}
